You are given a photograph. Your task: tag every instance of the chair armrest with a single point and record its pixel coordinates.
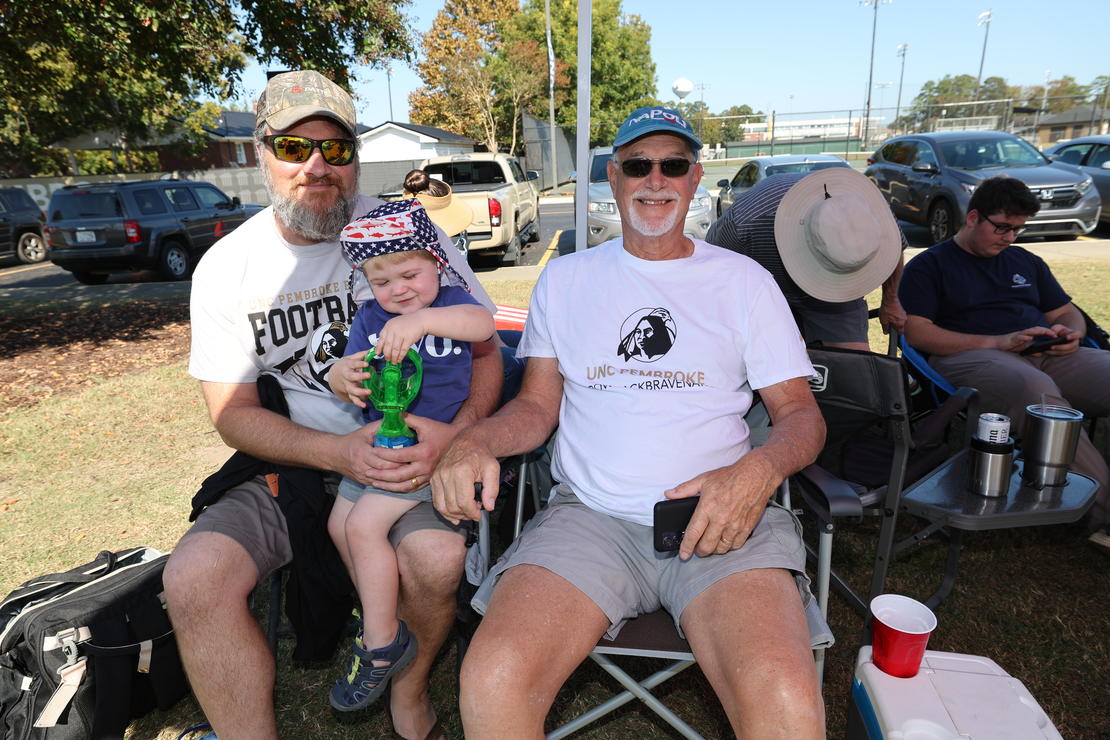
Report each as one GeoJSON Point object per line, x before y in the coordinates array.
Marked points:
{"type": "Point", "coordinates": [932, 427]}
{"type": "Point", "coordinates": [827, 495]}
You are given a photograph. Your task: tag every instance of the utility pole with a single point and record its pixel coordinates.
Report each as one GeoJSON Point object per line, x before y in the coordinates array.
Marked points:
{"type": "Point", "coordinates": [984, 20]}
{"type": "Point", "coordinates": [389, 89]}
{"type": "Point", "coordinates": [901, 75]}
{"type": "Point", "coordinates": [551, 98]}
{"type": "Point", "coordinates": [871, 66]}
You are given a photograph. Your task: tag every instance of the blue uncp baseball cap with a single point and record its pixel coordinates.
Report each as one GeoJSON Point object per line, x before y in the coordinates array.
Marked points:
{"type": "Point", "coordinates": [654, 119]}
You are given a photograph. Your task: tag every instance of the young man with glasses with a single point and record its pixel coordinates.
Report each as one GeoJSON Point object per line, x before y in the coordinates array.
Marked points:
{"type": "Point", "coordinates": [271, 306]}
{"type": "Point", "coordinates": [643, 351]}
{"type": "Point", "coordinates": [977, 302]}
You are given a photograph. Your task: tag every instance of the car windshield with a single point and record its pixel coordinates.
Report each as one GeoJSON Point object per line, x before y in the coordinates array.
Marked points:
{"type": "Point", "coordinates": [779, 169]}
{"type": "Point", "coordinates": [978, 154]}
{"type": "Point", "coordinates": [84, 204]}
{"type": "Point", "coordinates": [467, 173]}
{"type": "Point", "coordinates": [598, 172]}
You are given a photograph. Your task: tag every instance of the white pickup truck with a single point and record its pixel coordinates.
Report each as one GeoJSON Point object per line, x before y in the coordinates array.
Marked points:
{"type": "Point", "coordinates": [504, 199]}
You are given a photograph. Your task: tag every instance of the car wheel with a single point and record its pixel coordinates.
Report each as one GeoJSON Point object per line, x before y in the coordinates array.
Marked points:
{"type": "Point", "coordinates": [174, 263]}
{"type": "Point", "coordinates": [512, 253]}
{"type": "Point", "coordinates": [90, 278]}
{"type": "Point", "coordinates": [31, 248]}
{"type": "Point", "coordinates": [942, 221]}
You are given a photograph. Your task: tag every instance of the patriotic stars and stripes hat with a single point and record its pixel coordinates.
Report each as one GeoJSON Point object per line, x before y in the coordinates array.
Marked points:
{"type": "Point", "coordinates": [400, 226]}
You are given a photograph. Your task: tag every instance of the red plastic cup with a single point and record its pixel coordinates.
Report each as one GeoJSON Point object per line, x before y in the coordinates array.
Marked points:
{"type": "Point", "coordinates": [900, 629]}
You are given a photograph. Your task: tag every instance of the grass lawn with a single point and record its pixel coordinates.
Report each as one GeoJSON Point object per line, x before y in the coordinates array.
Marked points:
{"type": "Point", "coordinates": [114, 463]}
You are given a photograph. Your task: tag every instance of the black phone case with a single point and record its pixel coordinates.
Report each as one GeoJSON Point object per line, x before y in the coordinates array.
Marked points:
{"type": "Point", "coordinates": [1042, 346]}
{"type": "Point", "coordinates": [670, 518]}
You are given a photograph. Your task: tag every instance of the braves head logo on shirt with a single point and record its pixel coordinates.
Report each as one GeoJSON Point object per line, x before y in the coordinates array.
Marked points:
{"type": "Point", "coordinates": [646, 335]}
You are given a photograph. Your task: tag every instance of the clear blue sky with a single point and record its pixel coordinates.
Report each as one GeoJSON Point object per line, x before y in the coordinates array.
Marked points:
{"type": "Point", "coordinates": [813, 55]}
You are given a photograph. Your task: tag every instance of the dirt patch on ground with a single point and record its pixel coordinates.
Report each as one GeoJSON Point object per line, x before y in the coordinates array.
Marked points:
{"type": "Point", "coordinates": [50, 352]}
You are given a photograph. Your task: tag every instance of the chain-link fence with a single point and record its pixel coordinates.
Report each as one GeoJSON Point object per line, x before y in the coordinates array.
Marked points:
{"type": "Point", "coordinates": [851, 132]}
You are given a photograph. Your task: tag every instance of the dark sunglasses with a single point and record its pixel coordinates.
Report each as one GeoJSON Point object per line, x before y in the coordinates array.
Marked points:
{"type": "Point", "coordinates": [287, 148]}
{"type": "Point", "coordinates": [1003, 228]}
{"type": "Point", "coordinates": [641, 166]}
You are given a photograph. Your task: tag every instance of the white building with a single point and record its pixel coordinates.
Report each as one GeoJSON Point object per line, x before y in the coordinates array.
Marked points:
{"type": "Point", "coordinates": [392, 141]}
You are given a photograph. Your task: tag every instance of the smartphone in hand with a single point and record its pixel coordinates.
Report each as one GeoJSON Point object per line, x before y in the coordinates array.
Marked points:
{"type": "Point", "coordinates": [1041, 343]}
{"type": "Point", "coordinates": [670, 518]}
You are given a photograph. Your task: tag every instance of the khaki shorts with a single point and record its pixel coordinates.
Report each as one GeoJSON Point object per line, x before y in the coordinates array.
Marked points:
{"type": "Point", "coordinates": [613, 562]}
{"type": "Point", "coordinates": [250, 515]}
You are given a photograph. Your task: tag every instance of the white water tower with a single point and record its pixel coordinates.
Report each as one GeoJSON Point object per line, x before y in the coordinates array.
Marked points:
{"type": "Point", "coordinates": [682, 87]}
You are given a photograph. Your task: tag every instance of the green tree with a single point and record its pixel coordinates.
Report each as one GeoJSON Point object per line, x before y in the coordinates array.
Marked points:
{"type": "Point", "coordinates": [134, 67]}
{"type": "Point", "coordinates": [954, 97]}
{"type": "Point", "coordinates": [458, 91]}
{"type": "Point", "coordinates": [622, 74]}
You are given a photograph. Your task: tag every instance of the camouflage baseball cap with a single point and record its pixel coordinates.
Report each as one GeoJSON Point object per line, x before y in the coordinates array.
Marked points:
{"type": "Point", "coordinates": [294, 96]}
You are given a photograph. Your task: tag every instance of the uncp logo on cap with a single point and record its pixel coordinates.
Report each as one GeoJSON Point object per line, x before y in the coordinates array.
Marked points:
{"type": "Point", "coordinates": [296, 89]}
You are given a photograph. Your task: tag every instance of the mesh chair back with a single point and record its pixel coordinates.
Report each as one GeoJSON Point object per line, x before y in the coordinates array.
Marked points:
{"type": "Point", "coordinates": [862, 397]}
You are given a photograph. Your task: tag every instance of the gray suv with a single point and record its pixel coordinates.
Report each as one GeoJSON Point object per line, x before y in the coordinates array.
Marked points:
{"type": "Point", "coordinates": [21, 226]}
{"type": "Point", "coordinates": [929, 178]}
{"type": "Point", "coordinates": [166, 225]}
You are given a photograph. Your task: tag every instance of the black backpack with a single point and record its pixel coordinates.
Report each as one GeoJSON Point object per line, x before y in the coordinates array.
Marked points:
{"type": "Point", "coordinates": [85, 651]}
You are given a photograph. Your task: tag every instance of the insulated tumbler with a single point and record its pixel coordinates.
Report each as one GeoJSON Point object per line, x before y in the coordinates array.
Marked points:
{"type": "Point", "coordinates": [1048, 447]}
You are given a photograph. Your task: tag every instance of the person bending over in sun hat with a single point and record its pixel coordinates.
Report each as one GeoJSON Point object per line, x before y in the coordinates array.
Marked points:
{"type": "Point", "coordinates": [829, 239]}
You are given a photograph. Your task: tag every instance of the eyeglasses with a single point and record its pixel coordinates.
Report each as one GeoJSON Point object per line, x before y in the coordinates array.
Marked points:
{"type": "Point", "coordinates": [1004, 228]}
{"type": "Point", "coordinates": [287, 148]}
{"type": "Point", "coordinates": [641, 166]}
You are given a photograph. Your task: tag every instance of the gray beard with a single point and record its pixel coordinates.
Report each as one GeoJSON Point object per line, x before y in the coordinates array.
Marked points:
{"type": "Point", "coordinates": [320, 226]}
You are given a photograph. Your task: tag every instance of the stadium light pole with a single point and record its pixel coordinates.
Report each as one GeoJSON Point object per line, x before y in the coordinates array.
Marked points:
{"type": "Point", "coordinates": [984, 20]}
{"type": "Point", "coordinates": [551, 98]}
{"type": "Point", "coordinates": [871, 65]}
{"type": "Point", "coordinates": [901, 75]}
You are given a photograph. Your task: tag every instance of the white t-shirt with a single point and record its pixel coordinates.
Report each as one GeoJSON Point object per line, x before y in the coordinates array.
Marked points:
{"type": "Point", "coordinates": [657, 358]}
{"type": "Point", "coordinates": [262, 305]}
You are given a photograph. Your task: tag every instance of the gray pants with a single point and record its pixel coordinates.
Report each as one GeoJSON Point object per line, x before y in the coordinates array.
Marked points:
{"type": "Point", "coordinates": [1008, 382]}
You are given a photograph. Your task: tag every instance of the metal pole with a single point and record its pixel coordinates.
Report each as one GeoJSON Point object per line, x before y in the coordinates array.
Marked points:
{"type": "Point", "coordinates": [984, 20]}
{"type": "Point", "coordinates": [898, 107]}
{"type": "Point", "coordinates": [582, 184]}
{"type": "Point", "coordinates": [551, 98]}
{"type": "Point", "coordinates": [871, 70]}
{"type": "Point", "coordinates": [389, 89]}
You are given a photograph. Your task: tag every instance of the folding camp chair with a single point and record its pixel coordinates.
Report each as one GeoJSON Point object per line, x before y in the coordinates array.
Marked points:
{"type": "Point", "coordinates": [872, 452]}
{"type": "Point", "coordinates": [655, 636]}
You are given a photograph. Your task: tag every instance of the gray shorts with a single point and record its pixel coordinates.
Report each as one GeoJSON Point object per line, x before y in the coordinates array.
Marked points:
{"type": "Point", "coordinates": [823, 325]}
{"type": "Point", "coordinates": [613, 562]}
{"type": "Point", "coordinates": [352, 490]}
{"type": "Point", "coordinates": [250, 515]}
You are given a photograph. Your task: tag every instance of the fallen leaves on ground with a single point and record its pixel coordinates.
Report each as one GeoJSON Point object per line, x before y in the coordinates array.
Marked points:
{"type": "Point", "coordinates": [54, 352]}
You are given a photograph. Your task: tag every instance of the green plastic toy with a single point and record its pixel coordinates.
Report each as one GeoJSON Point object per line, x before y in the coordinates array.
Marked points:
{"type": "Point", "coordinates": [391, 393]}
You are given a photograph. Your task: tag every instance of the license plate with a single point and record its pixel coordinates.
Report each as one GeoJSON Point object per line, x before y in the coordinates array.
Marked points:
{"type": "Point", "coordinates": [85, 237]}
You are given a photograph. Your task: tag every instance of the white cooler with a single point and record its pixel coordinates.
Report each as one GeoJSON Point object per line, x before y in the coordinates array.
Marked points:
{"type": "Point", "coordinates": [952, 697]}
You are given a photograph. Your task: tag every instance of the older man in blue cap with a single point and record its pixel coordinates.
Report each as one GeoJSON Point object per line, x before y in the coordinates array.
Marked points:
{"type": "Point", "coordinates": [644, 351]}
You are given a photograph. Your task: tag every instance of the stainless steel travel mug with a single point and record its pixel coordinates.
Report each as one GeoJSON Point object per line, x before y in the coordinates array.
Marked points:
{"type": "Point", "coordinates": [1048, 446]}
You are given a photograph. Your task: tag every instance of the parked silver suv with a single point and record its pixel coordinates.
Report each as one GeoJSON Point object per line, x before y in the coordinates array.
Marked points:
{"type": "Point", "coordinates": [603, 221]}
{"type": "Point", "coordinates": [929, 178]}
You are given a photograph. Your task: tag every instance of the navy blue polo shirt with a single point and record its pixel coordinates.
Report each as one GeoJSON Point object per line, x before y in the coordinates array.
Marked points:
{"type": "Point", "coordinates": [980, 295]}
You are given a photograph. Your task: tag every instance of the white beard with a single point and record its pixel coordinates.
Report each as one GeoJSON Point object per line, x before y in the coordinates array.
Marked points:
{"type": "Point", "coordinates": [640, 225]}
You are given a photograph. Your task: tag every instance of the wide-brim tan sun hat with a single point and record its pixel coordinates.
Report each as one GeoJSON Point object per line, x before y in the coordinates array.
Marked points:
{"type": "Point", "coordinates": [447, 212]}
{"type": "Point", "coordinates": [836, 235]}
